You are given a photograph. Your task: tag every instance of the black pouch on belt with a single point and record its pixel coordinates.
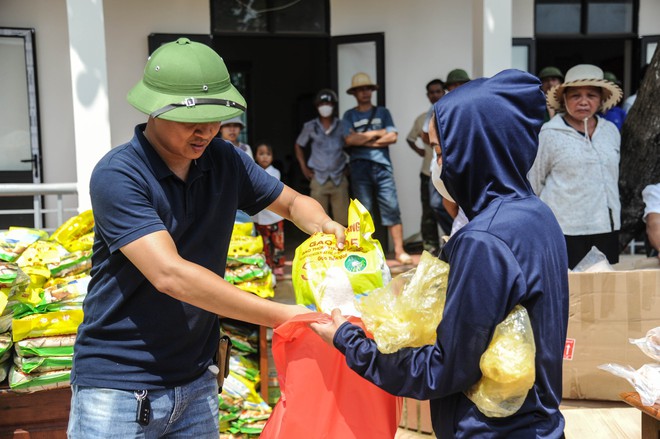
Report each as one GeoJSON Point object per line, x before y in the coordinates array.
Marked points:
{"type": "Point", "coordinates": [222, 359]}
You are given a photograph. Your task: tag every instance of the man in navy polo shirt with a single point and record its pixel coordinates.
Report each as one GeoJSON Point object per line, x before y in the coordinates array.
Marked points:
{"type": "Point", "coordinates": [164, 207]}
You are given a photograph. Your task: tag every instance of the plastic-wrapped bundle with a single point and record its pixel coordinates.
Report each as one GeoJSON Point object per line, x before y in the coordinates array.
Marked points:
{"type": "Point", "coordinates": [507, 366]}
{"type": "Point", "coordinates": [407, 311]}
{"type": "Point", "coordinates": [650, 344]}
{"type": "Point", "coordinates": [646, 379]}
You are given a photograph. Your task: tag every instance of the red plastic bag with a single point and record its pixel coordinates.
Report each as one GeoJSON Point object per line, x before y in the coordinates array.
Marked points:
{"type": "Point", "coordinates": [321, 396]}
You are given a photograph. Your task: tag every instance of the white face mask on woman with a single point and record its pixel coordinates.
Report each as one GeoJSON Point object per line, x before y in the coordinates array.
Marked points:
{"type": "Point", "coordinates": [325, 110]}
{"type": "Point", "coordinates": [436, 170]}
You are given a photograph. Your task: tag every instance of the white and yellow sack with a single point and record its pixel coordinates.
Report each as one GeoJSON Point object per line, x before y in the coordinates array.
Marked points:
{"type": "Point", "coordinates": [325, 277]}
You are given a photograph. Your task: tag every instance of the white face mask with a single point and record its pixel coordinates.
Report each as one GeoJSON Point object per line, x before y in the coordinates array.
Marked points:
{"type": "Point", "coordinates": [325, 110]}
{"type": "Point", "coordinates": [436, 170]}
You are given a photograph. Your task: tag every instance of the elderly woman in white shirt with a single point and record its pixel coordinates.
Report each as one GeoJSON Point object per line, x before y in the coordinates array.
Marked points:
{"type": "Point", "coordinates": [576, 171]}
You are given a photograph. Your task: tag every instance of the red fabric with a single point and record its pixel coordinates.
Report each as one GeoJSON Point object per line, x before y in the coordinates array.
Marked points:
{"type": "Point", "coordinates": [321, 396]}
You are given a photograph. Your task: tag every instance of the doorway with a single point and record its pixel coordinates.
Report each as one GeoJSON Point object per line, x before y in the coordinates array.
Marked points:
{"type": "Point", "coordinates": [279, 77]}
{"type": "Point", "coordinates": [608, 54]}
{"type": "Point", "coordinates": [20, 151]}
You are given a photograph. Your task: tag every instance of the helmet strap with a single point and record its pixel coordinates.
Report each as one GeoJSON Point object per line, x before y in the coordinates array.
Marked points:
{"type": "Point", "coordinates": [192, 102]}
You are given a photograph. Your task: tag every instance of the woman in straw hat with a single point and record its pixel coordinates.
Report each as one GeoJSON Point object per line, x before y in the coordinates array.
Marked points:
{"type": "Point", "coordinates": [576, 171]}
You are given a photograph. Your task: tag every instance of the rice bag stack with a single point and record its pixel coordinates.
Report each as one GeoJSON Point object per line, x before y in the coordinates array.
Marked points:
{"type": "Point", "coordinates": [44, 335]}
{"type": "Point", "coordinates": [42, 363]}
{"type": "Point", "coordinates": [243, 412]}
{"type": "Point", "coordinates": [47, 309]}
{"type": "Point", "coordinates": [246, 263]}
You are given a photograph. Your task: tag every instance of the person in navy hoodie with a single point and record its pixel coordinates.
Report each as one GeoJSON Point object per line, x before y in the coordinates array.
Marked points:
{"type": "Point", "coordinates": [511, 252]}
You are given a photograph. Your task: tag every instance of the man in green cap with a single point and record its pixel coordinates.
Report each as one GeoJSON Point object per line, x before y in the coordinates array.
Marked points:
{"type": "Point", "coordinates": [549, 76]}
{"type": "Point", "coordinates": [616, 114]}
{"type": "Point", "coordinates": [164, 206]}
{"type": "Point", "coordinates": [456, 78]}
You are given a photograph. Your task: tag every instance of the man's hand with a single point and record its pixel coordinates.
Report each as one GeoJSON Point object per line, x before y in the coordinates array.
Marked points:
{"type": "Point", "coordinates": [336, 229]}
{"type": "Point", "coordinates": [414, 147]}
{"type": "Point", "coordinates": [328, 329]}
{"type": "Point", "coordinates": [308, 172]}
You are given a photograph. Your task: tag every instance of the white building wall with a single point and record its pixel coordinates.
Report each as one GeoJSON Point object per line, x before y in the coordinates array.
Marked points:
{"type": "Point", "coordinates": [425, 41]}
{"type": "Point", "coordinates": [128, 23]}
{"type": "Point", "coordinates": [491, 48]}
{"type": "Point", "coordinates": [522, 18]}
{"type": "Point", "coordinates": [649, 17]}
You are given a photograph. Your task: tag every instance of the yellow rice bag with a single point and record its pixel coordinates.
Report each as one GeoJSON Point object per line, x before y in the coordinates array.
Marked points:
{"type": "Point", "coordinates": [42, 325]}
{"type": "Point", "coordinates": [241, 245]}
{"type": "Point", "coordinates": [242, 229]}
{"type": "Point", "coordinates": [74, 228]}
{"type": "Point", "coordinates": [320, 269]}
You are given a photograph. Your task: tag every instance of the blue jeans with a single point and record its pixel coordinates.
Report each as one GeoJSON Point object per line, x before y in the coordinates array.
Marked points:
{"type": "Point", "coordinates": [369, 177]}
{"type": "Point", "coordinates": [188, 411]}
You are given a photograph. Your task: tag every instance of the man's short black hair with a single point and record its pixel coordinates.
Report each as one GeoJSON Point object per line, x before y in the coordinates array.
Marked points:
{"type": "Point", "coordinates": [435, 81]}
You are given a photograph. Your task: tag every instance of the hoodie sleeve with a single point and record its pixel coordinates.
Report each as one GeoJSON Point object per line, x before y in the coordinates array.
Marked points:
{"type": "Point", "coordinates": [485, 283]}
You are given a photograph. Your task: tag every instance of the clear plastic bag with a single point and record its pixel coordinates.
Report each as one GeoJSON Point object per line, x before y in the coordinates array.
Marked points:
{"type": "Point", "coordinates": [594, 261]}
{"type": "Point", "coordinates": [645, 380]}
{"type": "Point", "coordinates": [507, 366]}
{"type": "Point", "coordinates": [406, 312]}
{"type": "Point", "coordinates": [650, 344]}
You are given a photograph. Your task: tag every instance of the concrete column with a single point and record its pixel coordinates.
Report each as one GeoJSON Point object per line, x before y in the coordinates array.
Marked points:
{"type": "Point", "coordinates": [89, 81]}
{"type": "Point", "coordinates": [492, 27]}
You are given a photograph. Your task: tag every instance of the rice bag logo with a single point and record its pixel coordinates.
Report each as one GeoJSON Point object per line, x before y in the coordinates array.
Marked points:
{"type": "Point", "coordinates": [355, 263]}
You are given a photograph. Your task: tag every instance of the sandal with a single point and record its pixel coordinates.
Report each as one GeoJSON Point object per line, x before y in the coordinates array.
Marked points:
{"type": "Point", "coordinates": [404, 259]}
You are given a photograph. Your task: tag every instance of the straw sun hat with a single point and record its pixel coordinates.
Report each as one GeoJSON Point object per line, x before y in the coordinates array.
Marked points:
{"type": "Point", "coordinates": [361, 79]}
{"type": "Point", "coordinates": [583, 75]}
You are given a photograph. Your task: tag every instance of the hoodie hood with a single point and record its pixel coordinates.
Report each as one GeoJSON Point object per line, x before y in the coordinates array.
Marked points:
{"type": "Point", "coordinates": [484, 155]}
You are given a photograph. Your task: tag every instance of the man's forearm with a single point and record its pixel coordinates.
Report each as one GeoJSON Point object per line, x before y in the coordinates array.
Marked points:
{"type": "Point", "coordinates": [385, 140]}
{"type": "Point", "coordinates": [308, 215]}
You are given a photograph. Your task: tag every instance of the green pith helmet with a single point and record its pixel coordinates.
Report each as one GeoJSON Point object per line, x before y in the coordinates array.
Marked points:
{"type": "Point", "coordinates": [612, 78]}
{"type": "Point", "coordinates": [185, 81]}
{"type": "Point", "coordinates": [551, 72]}
{"type": "Point", "coordinates": [457, 76]}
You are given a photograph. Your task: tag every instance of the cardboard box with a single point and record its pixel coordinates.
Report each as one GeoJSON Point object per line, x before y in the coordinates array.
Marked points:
{"type": "Point", "coordinates": [606, 310]}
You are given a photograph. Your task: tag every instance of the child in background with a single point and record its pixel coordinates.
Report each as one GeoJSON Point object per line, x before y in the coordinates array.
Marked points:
{"type": "Point", "coordinates": [269, 224]}
{"type": "Point", "coordinates": [230, 130]}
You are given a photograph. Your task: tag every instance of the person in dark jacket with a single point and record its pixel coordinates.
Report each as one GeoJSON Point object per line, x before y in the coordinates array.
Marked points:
{"type": "Point", "coordinates": [511, 252]}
